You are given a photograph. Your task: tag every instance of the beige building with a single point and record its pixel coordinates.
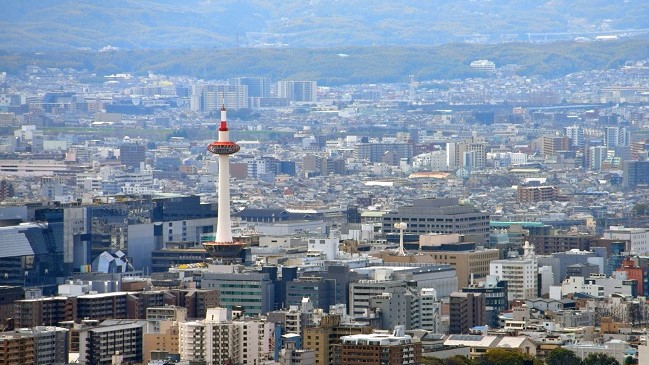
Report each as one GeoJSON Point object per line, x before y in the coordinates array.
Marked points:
{"type": "Point", "coordinates": [322, 338]}
{"type": "Point", "coordinates": [166, 339]}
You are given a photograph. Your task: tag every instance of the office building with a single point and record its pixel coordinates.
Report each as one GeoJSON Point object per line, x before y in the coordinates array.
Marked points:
{"type": "Point", "coordinates": [466, 311]}
{"type": "Point", "coordinates": [449, 249]}
{"type": "Point", "coordinates": [253, 292]}
{"type": "Point", "coordinates": [443, 216]}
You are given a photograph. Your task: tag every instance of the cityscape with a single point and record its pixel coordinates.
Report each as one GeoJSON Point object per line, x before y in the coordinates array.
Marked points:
{"type": "Point", "coordinates": [161, 218]}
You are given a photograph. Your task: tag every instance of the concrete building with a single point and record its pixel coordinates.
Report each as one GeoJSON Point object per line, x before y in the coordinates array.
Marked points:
{"type": "Point", "coordinates": [448, 249]}
{"type": "Point", "coordinates": [533, 194]}
{"type": "Point", "coordinates": [97, 345]}
{"type": "Point", "coordinates": [617, 349]}
{"type": "Point", "coordinates": [496, 300]}
{"type": "Point", "coordinates": [378, 280]}
{"type": "Point", "coordinates": [638, 238]}
{"type": "Point", "coordinates": [219, 340]}
{"type": "Point", "coordinates": [132, 154]}
{"type": "Point", "coordinates": [298, 91]}
{"type": "Point", "coordinates": [466, 311]}
{"type": "Point", "coordinates": [443, 216]}
{"type": "Point", "coordinates": [479, 344]}
{"type": "Point", "coordinates": [520, 274]}
{"type": "Point", "coordinates": [322, 338]}
{"type": "Point", "coordinates": [378, 348]}
{"type": "Point", "coordinates": [289, 355]}
{"type": "Point", "coordinates": [549, 244]}
{"type": "Point", "coordinates": [635, 173]}
{"type": "Point", "coordinates": [389, 153]}
{"type": "Point", "coordinates": [49, 311]}
{"type": "Point", "coordinates": [50, 344]}
{"type": "Point", "coordinates": [164, 338]}
{"type": "Point", "coordinates": [253, 292]}
{"type": "Point", "coordinates": [17, 348]}
{"type": "Point", "coordinates": [576, 135]}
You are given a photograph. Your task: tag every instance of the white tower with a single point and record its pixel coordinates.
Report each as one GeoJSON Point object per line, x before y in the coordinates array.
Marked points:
{"type": "Point", "coordinates": [223, 244]}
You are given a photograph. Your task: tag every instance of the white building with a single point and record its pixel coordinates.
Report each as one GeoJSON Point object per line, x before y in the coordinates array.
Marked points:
{"type": "Point", "coordinates": [577, 284]}
{"type": "Point", "coordinates": [299, 91]}
{"type": "Point", "coordinates": [521, 274]}
{"type": "Point", "coordinates": [638, 238]}
{"type": "Point", "coordinates": [614, 348]}
{"type": "Point", "coordinates": [326, 246]}
{"type": "Point", "coordinates": [219, 340]}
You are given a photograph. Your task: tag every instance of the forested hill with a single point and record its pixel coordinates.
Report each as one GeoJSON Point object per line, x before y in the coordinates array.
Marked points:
{"type": "Point", "coordinates": [156, 24]}
{"type": "Point", "coordinates": [343, 65]}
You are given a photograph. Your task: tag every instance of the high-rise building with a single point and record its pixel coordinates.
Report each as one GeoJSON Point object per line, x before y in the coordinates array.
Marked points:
{"type": "Point", "coordinates": [409, 307]}
{"type": "Point", "coordinates": [551, 145]}
{"type": "Point", "coordinates": [597, 155]}
{"type": "Point", "coordinates": [219, 340]}
{"type": "Point", "coordinates": [298, 91]}
{"type": "Point", "coordinates": [576, 135]}
{"type": "Point", "coordinates": [495, 293]}
{"type": "Point", "coordinates": [616, 136]}
{"type": "Point", "coordinates": [50, 344]}
{"type": "Point", "coordinates": [322, 338]}
{"type": "Point", "coordinates": [210, 97]}
{"type": "Point", "coordinates": [132, 154]}
{"type": "Point", "coordinates": [98, 345]}
{"type": "Point", "coordinates": [389, 153]}
{"type": "Point", "coordinates": [466, 311]}
{"type": "Point", "coordinates": [258, 87]}
{"type": "Point", "coordinates": [253, 292]}
{"type": "Point", "coordinates": [635, 173]}
{"type": "Point", "coordinates": [521, 274]}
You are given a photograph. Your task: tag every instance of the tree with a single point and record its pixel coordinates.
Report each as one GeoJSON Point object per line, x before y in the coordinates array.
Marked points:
{"type": "Point", "coordinates": [561, 356]}
{"type": "Point", "coordinates": [504, 357]}
{"type": "Point", "coordinates": [600, 359]}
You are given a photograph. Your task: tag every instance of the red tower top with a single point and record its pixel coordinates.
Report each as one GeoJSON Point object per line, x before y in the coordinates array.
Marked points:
{"type": "Point", "coordinates": [224, 123]}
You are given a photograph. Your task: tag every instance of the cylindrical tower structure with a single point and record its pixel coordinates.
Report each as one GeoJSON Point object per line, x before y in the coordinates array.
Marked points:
{"type": "Point", "coordinates": [223, 244]}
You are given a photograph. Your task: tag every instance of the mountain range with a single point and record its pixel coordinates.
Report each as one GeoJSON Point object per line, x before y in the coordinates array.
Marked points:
{"type": "Point", "coordinates": [164, 24]}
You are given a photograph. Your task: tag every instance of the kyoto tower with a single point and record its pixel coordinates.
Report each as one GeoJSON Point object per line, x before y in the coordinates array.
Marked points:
{"type": "Point", "coordinates": [223, 245]}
